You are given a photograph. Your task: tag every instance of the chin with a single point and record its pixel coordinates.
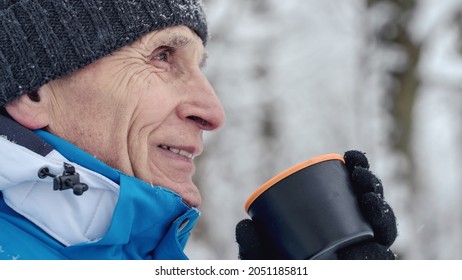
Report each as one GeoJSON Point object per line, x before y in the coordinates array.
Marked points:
{"type": "Point", "coordinates": [192, 198]}
{"type": "Point", "coordinates": [188, 191]}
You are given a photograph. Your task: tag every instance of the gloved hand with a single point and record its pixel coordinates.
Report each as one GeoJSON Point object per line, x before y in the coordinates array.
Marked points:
{"type": "Point", "coordinates": [369, 191]}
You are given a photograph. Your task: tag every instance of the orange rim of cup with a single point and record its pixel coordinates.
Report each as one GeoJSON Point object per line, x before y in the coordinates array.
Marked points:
{"type": "Point", "coordinates": [287, 173]}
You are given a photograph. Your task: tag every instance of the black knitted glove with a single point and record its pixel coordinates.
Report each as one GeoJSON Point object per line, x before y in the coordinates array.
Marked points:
{"type": "Point", "coordinates": [369, 191]}
{"type": "Point", "coordinates": [375, 209]}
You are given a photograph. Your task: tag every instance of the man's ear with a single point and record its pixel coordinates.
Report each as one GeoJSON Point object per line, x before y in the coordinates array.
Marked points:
{"type": "Point", "coordinates": [30, 110]}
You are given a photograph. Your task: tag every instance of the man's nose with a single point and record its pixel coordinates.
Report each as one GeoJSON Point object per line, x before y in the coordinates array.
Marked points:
{"type": "Point", "coordinates": [203, 105]}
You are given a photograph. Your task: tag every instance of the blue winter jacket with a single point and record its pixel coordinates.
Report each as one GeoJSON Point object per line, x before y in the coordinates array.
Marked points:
{"type": "Point", "coordinates": [119, 217]}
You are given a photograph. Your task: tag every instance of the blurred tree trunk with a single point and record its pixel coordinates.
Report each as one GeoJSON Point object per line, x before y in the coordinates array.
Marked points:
{"type": "Point", "coordinates": [401, 95]}
{"type": "Point", "coordinates": [432, 222]}
{"type": "Point", "coordinates": [401, 91]}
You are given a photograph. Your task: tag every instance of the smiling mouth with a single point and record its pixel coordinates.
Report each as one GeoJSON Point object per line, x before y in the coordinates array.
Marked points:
{"type": "Point", "coordinates": [180, 152]}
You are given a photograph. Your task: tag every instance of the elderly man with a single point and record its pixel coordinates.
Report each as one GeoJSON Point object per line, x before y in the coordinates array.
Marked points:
{"type": "Point", "coordinates": [103, 108]}
{"type": "Point", "coordinates": [115, 90]}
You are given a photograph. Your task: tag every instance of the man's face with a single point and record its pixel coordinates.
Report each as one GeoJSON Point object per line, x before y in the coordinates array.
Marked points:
{"type": "Point", "coordinates": [142, 109]}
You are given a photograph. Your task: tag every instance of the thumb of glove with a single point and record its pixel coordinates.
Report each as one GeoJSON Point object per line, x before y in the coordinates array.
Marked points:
{"type": "Point", "coordinates": [251, 245]}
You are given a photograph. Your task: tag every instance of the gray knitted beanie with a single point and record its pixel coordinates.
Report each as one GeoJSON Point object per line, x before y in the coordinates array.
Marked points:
{"type": "Point", "coordinates": [41, 40]}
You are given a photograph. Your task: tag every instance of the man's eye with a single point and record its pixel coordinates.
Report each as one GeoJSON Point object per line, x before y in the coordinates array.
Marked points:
{"type": "Point", "coordinates": [163, 58]}
{"type": "Point", "coordinates": [165, 55]}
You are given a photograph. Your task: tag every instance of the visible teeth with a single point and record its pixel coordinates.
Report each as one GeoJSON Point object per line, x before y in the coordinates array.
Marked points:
{"type": "Point", "coordinates": [178, 151]}
{"type": "Point", "coordinates": [186, 154]}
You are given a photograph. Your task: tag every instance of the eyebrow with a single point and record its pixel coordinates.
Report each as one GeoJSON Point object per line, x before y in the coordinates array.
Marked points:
{"type": "Point", "coordinates": [176, 40]}
{"type": "Point", "coordinates": [180, 41]}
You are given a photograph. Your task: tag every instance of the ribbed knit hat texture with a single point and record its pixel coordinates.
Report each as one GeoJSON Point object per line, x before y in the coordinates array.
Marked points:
{"type": "Point", "coordinates": [41, 40]}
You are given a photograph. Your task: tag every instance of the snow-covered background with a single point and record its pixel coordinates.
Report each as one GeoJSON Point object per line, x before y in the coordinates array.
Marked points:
{"type": "Point", "coordinates": [300, 78]}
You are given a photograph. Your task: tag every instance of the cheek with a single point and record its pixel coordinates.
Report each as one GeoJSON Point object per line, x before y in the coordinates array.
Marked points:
{"type": "Point", "coordinates": [155, 104]}
{"type": "Point", "coordinates": [149, 120]}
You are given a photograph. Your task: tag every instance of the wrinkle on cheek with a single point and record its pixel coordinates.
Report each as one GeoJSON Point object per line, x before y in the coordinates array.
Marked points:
{"type": "Point", "coordinates": [161, 177]}
{"type": "Point", "coordinates": [159, 172]}
{"type": "Point", "coordinates": [126, 76]}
